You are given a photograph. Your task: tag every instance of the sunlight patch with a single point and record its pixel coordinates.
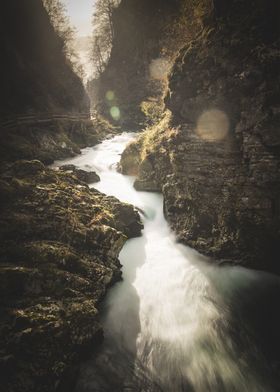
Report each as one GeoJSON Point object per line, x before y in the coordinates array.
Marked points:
{"type": "Point", "coordinates": [159, 68]}
{"type": "Point", "coordinates": [213, 125]}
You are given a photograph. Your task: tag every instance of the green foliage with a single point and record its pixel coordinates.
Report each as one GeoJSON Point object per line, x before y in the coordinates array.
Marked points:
{"type": "Point", "coordinates": [153, 135]}
{"type": "Point", "coordinates": [103, 34]}
{"type": "Point", "coordinates": [153, 110]}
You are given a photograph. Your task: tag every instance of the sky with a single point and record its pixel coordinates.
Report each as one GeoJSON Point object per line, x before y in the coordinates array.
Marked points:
{"type": "Point", "coordinates": [80, 13]}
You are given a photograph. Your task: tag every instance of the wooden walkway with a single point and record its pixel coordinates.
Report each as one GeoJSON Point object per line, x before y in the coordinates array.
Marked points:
{"type": "Point", "coordinates": [41, 118]}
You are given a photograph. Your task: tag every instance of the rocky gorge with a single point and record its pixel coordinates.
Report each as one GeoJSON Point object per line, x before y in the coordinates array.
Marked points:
{"type": "Point", "coordinates": [203, 77]}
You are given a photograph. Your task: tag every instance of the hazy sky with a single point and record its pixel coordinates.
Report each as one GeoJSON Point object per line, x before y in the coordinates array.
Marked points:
{"type": "Point", "coordinates": [80, 12]}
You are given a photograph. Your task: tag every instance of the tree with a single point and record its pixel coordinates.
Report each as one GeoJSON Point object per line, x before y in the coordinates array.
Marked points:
{"type": "Point", "coordinates": [61, 23]}
{"type": "Point", "coordinates": [103, 33]}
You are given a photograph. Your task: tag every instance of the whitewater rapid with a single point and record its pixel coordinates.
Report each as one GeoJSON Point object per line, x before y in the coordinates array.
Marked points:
{"type": "Point", "coordinates": [177, 322]}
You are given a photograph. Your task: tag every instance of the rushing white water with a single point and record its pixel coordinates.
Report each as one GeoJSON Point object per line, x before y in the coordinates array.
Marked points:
{"type": "Point", "coordinates": [177, 322]}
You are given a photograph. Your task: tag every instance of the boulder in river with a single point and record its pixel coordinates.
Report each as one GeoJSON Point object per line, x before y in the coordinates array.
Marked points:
{"type": "Point", "coordinates": [88, 177]}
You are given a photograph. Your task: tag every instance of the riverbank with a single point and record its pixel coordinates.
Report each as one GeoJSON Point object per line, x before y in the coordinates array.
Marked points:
{"type": "Point", "coordinates": [48, 137]}
{"type": "Point", "coordinates": [59, 255]}
{"type": "Point", "coordinates": [60, 240]}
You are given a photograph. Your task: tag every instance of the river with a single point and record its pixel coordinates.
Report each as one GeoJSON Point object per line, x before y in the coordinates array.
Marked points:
{"type": "Point", "coordinates": [178, 321]}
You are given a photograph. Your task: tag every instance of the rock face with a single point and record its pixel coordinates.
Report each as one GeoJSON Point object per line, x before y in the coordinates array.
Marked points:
{"type": "Point", "coordinates": [217, 160]}
{"type": "Point", "coordinates": [60, 242]}
{"type": "Point", "coordinates": [139, 28]}
{"type": "Point", "coordinates": [89, 177]}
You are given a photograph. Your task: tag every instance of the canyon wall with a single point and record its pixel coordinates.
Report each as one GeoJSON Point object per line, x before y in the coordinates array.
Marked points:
{"type": "Point", "coordinates": [38, 85]}
{"type": "Point", "coordinates": [216, 155]}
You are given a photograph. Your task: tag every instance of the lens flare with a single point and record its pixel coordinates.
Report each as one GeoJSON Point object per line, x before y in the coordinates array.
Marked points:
{"type": "Point", "coordinates": [115, 112]}
{"type": "Point", "coordinates": [110, 95]}
{"type": "Point", "coordinates": [213, 125]}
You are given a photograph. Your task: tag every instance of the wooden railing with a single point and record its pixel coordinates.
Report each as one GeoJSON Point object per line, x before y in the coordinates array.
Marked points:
{"type": "Point", "coordinates": [41, 118]}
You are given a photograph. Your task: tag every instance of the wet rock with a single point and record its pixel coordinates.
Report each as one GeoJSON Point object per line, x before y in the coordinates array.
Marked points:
{"type": "Point", "coordinates": [59, 254]}
{"type": "Point", "coordinates": [130, 160]}
{"type": "Point", "coordinates": [69, 167]}
{"type": "Point", "coordinates": [146, 185]}
{"type": "Point", "coordinates": [89, 177]}
{"type": "Point", "coordinates": [126, 220]}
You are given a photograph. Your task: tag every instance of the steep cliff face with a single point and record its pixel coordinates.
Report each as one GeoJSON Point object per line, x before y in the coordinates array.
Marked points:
{"type": "Point", "coordinates": [139, 28]}
{"type": "Point", "coordinates": [36, 83]}
{"type": "Point", "coordinates": [217, 160]}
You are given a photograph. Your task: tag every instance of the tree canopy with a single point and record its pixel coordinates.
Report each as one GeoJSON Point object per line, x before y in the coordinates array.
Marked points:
{"type": "Point", "coordinates": [65, 31]}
